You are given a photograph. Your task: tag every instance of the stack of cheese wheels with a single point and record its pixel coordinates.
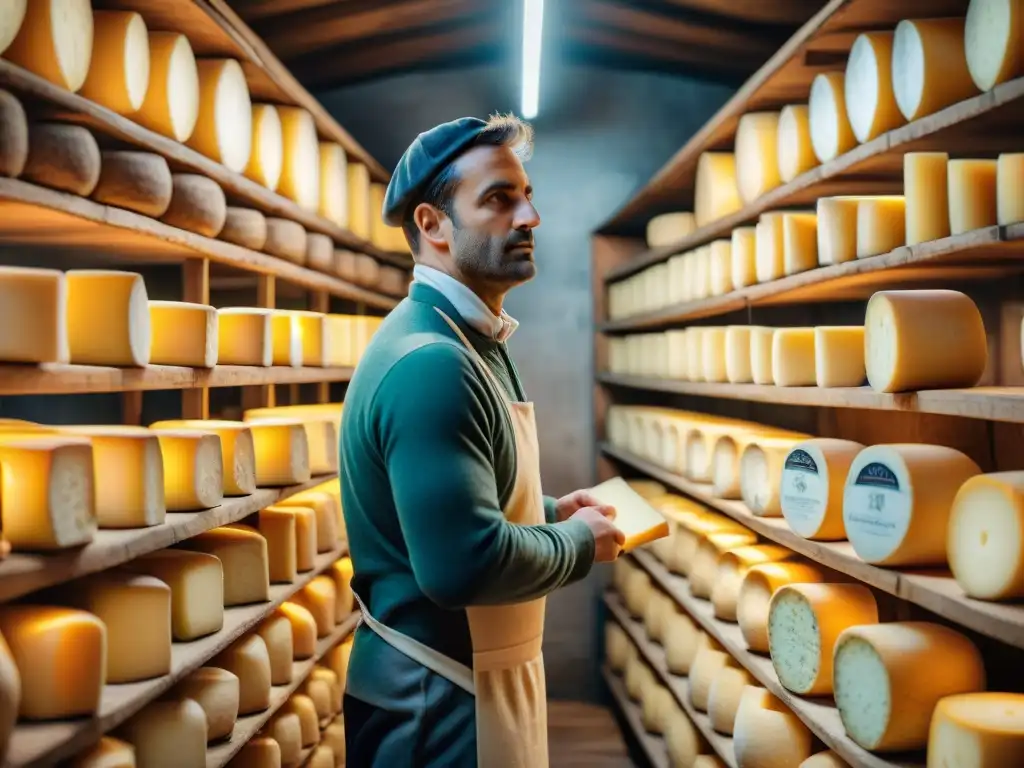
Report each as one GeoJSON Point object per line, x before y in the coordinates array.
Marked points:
{"type": "Point", "coordinates": [804, 622]}
{"type": "Point", "coordinates": [911, 488]}
{"type": "Point", "coordinates": [759, 585]}
{"type": "Point", "coordinates": [765, 726]}
{"type": "Point", "coordinates": [887, 684]}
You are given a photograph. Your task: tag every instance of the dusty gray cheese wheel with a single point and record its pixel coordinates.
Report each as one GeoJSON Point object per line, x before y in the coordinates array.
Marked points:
{"type": "Point", "coordinates": [319, 252]}
{"type": "Point", "coordinates": [13, 136]}
{"type": "Point", "coordinates": [136, 181]}
{"type": "Point", "coordinates": [286, 240]}
{"type": "Point", "coordinates": [197, 205]}
{"type": "Point", "coordinates": [244, 227]}
{"type": "Point", "coordinates": [64, 157]}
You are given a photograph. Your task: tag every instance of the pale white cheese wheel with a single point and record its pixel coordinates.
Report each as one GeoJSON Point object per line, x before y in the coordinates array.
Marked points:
{"type": "Point", "coordinates": [682, 641]}
{"type": "Point", "coordinates": [715, 192]}
{"type": "Point", "coordinates": [870, 100]}
{"type": "Point", "coordinates": [707, 663]}
{"type": "Point", "coordinates": [638, 592]}
{"type": "Point", "coordinates": [669, 228]}
{"type": "Point", "coordinates": [986, 536]}
{"type": "Point", "coordinates": [888, 679]}
{"type": "Point", "coordinates": [761, 473]}
{"type": "Point", "coordinates": [766, 734]}
{"type": "Point", "coordinates": [929, 66]}
{"type": "Point", "coordinates": [704, 569]}
{"type": "Point", "coordinates": [902, 351]}
{"type": "Point", "coordinates": [804, 622]}
{"type": "Point", "coordinates": [993, 35]}
{"type": "Point", "coordinates": [831, 134]}
{"type": "Point", "coordinates": [757, 161]}
{"type": "Point", "coordinates": [897, 502]}
{"type": "Point", "coordinates": [724, 697]}
{"type": "Point", "coordinates": [828, 759]}
{"type": "Point", "coordinates": [812, 486]}
{"type": "Point", "coordinates": [759, 585]}
{"type": "Point", "coordinates": [682, 738]}
{"type": "Point", "coordinates": [795, 150]}
{"type": "Point", "coordinates": [977, 730]}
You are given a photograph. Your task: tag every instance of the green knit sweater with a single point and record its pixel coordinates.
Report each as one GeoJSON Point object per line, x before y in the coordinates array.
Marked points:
{"type": "Point", "coordinates": [427, 464]}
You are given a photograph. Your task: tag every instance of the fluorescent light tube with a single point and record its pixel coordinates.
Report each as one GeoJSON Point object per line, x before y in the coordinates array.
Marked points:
{"type": "Point", "coordinates": [533, 23]}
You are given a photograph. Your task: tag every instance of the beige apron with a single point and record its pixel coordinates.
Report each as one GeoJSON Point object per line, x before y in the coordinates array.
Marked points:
{"type": "Point", "coordinates": [507, 678]}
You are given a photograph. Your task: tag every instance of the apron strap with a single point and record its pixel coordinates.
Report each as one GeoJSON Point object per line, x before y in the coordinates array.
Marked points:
{"type": "Point", "coordinates": [448, 668]}
{"type": "Point", "coordinates": [476, 357]}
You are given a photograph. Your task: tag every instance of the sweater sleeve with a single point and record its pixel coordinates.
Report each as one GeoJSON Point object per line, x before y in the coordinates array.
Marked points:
{"type": "Point", "coordinates": [551, 509]}
{"type": "Point", "coordinates": [437, 416]}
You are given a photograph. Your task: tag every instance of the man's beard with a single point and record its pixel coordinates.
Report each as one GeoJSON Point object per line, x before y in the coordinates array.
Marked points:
{"type": "Point", "coordinates": [492, 259]}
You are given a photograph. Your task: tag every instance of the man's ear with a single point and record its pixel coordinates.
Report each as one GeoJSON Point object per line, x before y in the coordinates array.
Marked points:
{"type": "Point", "coordinates": [431, 223]}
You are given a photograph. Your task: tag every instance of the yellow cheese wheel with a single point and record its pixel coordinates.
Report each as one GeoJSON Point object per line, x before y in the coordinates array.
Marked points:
{"type": "Point", "coordinates": [986, 536]}
{"type": "Point", "coordinates": [704, 569]}
{"type": "Point", "coordinates": [795, 150]}
{"type": "Point", "coordinates": [171, 106]}
{"type": "Point", "coordinates": [766, 734]}
{"type": "Point", "coordinates": [715, 192]}
{"type": "Point", "coordinates": [1010, 188]}
{"type": "Point", "coordinates": [55, 41]}
{"type": "Point", "coordinates": [888, 678]}
{"type": "Point", "coordinates": [267, 148]}
{"type": "Point", "coordinates": [926, 191]}
{"type": "Point", "coordinates": [929, 66]}
{"type": "Point", "coordinates": [828, 759]}
{"type": "Point", "coordinates": [902, 352]}
{"type": "Point", "coordinates": [733, 566]}
{"type": "Point", "coordinates": [706, 666]}
{"type": "Point", "coordinates": [300, 172]}
{"type": "Point", "coordinates": [977, 730]}
{"type": "Point", "coordinates": [870, 100]}
{"type": "Point", "coordinates": [993, 35]}
{"type": "Point", "coordinates": [334, 183]}
{"type": "Point", "coordinates": [669, 228]}
{"type": "Point", "coordinates": [973, 202]}
{"type": "Point", "coordinates": [744, 257]}
{"type": "Point", "coordinates": [724, 697]}
{"type": "Point", "coordinates": [119, 69]}
{"type": "Point", "coordinates": [881, 224]}
{"type": "Point", "coordinates": [831, 133]}
{"type": "Point", "coordinates": [759, 584]}
{"type": "Point", "coordinates": [757, 160]}
{"type": "Point", "coordinates": [812, 486]}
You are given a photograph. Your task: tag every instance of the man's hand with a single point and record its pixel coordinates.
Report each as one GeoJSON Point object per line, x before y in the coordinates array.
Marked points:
{"type": "Point", "coordinates": [567, 506]}
{"type": "Point", "coordinates": [608, 539]}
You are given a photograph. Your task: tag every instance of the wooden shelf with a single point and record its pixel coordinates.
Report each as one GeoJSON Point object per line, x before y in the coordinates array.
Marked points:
{"type": "Point", "coordinates": [990, 403]}
{"type": "Point", "coordinates": [981, 254]}
{"type": "Point", "coordinates": [678, 684]}
{"type": "Point", "coordinates": [34, 215]}
{"type": "Point", "coordinates": [821, 45]}
{"type": "Point", "coordinates": [218, 755]}
{"type": "Point", "coordinates": [653, 746]}
{"type": "Point", "coordinates": [56, 379]}
{"type": "Point", "coordinates": [44, 100]}
{"type": "Point", "coordinates": [935, 590]}
{"type": "Point", "coordinates": [46, 744]}
{"type": "Point", "coordinates": [820, 715]}
{"type": "Point", "coordinates": [23, 572]}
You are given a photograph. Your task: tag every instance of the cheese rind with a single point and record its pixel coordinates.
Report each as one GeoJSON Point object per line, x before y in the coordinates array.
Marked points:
{"type": "Point", "coordinates": [223, 130]}
{"type": "Point", "coordinates": [244, 227]}
{"type": "Point", "coordinates": [992, 41]}
{"type": "Point", "coordinates": [902, 352]}
{"type": "Point", "coordinates": [183, 333]}
{"type": "Point", "coordinates": [39, 294]}
{"type": "Point", "coordinates": [64, 157]}
{"type": "Point", "coordinates": [839, 355]}
{"type": "Point", "coordinates": [973, 201]}
{"type": "Point", "coordinates": [837, 229]}
{"type": "Point", "coordinates": [812, 486]}
{"type": "Point", "coordinates": [766, 733]}
{"type": "Point", "coordinates": [725, 695]}
{"type": "Point", "coordinates": [737, 354]}
{"type": "Point", "coordinates": [107, 318]}
{"type": "Point", "coordinates": [136, 181]}
{"type": "Point", "coordinates": [193, 469]}
{"type": "Point", "coordinates": [926, 191]}
{"type": "Point", "coordinates": [929, 66]}
{"type": "Point", "coordinates": [309, 725]}
{"type": "Point", "coordinates": [771, 247]}
{"type": "Point", "coordinates": [168, 734]}
{"type": "Point", "coordinates": [217, 692]}
{"type": "Point", "coordinates": [732, 567]}
{"type": "Point", "coordinates": [889, 677]}
{"type": "Point", "coordinates": [243, 553]}
{"type": "Point", "coordinates": [715, 190]}
{"type": "Point", "coordinates": [799, 242]}
{"type": "Point", "coordinates": [197, 205]}
{"type": "Point", "coordinates": [757, 161]}
{"type": "Point", "coordinates": [61, 654]}
{"type": "Point", "coordinates": [244, 337]}
{"type": "Point", "coordinates": [897, 501]}
{"type": "Point", "coordinates": [266, 156]}
{"type": "Point", "coordinates": [282, 452]}
{"type": "Point", "coordinates": [831, 134]}
{"type": "Point", "coordinates": [12, 13]}
{"type": "Point", "coordinates": [334, 183]}
{"type": "Point", "coordinates": [303, 629]}
{"type": "Point", "coordinates": [669, 228]}
{"type": "Point", "coordinates": [759, 584]}
{"type": "Point", "coordinates": [743, 254]}
{"type": "Point", "coordinates": [196, 580]}
{"type": "Point", "coordinates": [870, 100]}
{"type": "Point", "coordinates": [248, 659]}
{"type": "Point", "coordinates": [977, 730]}
{"type": "Point", "coordinates": [319, 597]}
{"type": "Point", "coordinates": [1009, 188]}
{"type": "Point", "coordinates": [55, 41]}
{"type": "Point", "coordinates": [171, 106]}
{"type": "Point", "coordinates": [804, 621]}
{"type": "Point", "coordinates": [276, 631]}
{"type": "Point", "coordinates": [277, 526]}
{"type": "Point", "coordinates": [108, 752]}
{"type": "Point", "coordinates": [795, 150]}
{"type": "Point", "coordinates": [286, 730]}
{"type": "Point", "coordinates": [985, 542]}
{"type": "Point", "coordinates": [118, 75]}
{"type": "Point", "coordinates": [14, 136]}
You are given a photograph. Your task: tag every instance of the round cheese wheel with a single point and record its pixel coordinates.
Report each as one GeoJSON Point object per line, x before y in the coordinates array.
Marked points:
{"type": "Point", "coordinates": [682, 738]}
{"type": "Point", "coordinates": [657, 703]}
{"type": "Point", "coordinates": [732, 567]}
{"type": "Point", "coordinates": [993, 41]}
{"type": "Point", "coordinates": [616, 644]}
{"type": "Point", "coordinates": [795, 150]}
{"type": "Point", "coordinates": [119, 70]}
{"type": "Point", "coordinates": [704, 569]}
{"type": "Point", "coordinates": [827, 759]}
{"type": "Point", "coordinates": [223, 129]}
{"type": "Point", "coordinates": [902, 351]}
{"type": "Point", "coordinates": [985, 542]}
{"type": "Point", "coordinates": [724, 697]}
{"type": "Point", "coordinates": [654, 614]}
{"type": "Point", "coordinates": [12, 13]}
{"type": "Point", "coordinates": [831, 134]}
{"type": "Point", "coordinates": [171, 106]}
{"type": "Point", "coordinates": [757, 161]}
{"type": "Point", "coordinates": [690, 532]}
{"type": "Point", "coordinates": [929, 66]}
{"type": "Point", "coordinates": [870, 100]}
{"type": "Point", "coordinates": [54, 41]}
{"type": "Point", "coordinates": [813, 481]}
{"type": "Point", "coordinates": [621, 569]}
{"type": "Point", "coordinates": [267, 156]}
{"type": "Point", "coordinates": [669, 228]}
{"type": "Point", "coordinates": [682, 641]}
{"type": "Point", "coordinates": [804, 621]}
{"type": "Point", "coordinates": [707, 663]}
{"type": "Point", "coordinates": [715, 191]}
{"type": "Point", "coordinates": [759, 584]}
{"type": "Point", "coordinates": [761, 473]}
{"type": "Point", "coordinates": [977, 730]}
{"type": "Point", "coordinates": [766, 733]}
{"type": "Point", "coordinates": [638, 592]}
{"type": "Point", "coordinates": [888, 679]}
{"type": "Point", "coordinates": [13, 136]}
{"type": "Point", "coordinates": [897, 502]}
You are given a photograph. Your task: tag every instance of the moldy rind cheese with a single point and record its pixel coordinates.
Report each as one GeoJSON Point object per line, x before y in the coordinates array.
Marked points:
{"type": "Point", "coordinates": [759, 585]}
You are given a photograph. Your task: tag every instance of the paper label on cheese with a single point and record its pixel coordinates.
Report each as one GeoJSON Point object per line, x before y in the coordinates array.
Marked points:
{"type": "Point", "coordinates": [879, 515]}
{"type": "Point", "coordinates": [803, 493]}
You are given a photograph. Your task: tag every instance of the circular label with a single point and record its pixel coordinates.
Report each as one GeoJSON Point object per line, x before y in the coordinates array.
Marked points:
{"type": "Point", "coordinates": [876, 512]}
{"type": "Point", "coordinates": [803, 492]}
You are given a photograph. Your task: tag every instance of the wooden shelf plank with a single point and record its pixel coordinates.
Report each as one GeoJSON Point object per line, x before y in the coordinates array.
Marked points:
{"type": "Point", "coordinates": [51, 101]}
{"type": "Point", "coordinates": [981, 254]}
{"type": "Point", "coordinates": [45, 744]}
{"type": "Point", "coordinates": [24, 572]}
{"type": "Point", "coordinates": [218, 755]}
{"type": "Point", "coordinates": [34, 215]}
{"type": "Point", "coordinates": [935, 590]}
{"type": "Point", "coordinates": [653, 746]}
{"type": "Point", "coordinates": [975, 127]}
{"type": "Point", "coordinates": [820, 715]}
{"type": "Point", "coordinates": [678, 684]}
{"type": "Point", "coordinates": [56, 379]}
{"type": "Point", "coordinates": [989, 403]}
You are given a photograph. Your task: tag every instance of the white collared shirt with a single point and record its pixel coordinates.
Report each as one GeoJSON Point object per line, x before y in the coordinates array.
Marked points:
{"type": "Point", "coordinates": [468, 304]}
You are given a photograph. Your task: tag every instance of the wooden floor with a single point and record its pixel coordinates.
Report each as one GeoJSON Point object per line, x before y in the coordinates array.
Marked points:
{"type": "Point", "coordinates": [584, 736]}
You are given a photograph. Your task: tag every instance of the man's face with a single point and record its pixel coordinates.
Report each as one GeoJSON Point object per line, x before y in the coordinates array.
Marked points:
{"type": "Point", "coordinates": [494, 217]}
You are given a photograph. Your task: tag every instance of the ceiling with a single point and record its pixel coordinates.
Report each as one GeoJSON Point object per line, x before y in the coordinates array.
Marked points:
{"type": "Point", "coordinates": [331, 43]}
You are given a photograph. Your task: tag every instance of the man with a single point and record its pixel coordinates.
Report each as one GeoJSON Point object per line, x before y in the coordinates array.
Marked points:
{"type": "Point", "coordinates": [453, 545]}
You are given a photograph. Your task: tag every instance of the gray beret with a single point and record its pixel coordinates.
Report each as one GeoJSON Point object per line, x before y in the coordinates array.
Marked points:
{"type": "Point", "coordinates": [426, 156]}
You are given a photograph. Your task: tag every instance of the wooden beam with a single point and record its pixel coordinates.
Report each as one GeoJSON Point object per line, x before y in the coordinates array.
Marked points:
{"type": "Point", "coordinates": [252, 10]}
{"type": "Point", "coordinates": [462, 43]}
{"type": "Point", "coordinates": [783, 12]}
{"type": "Point", "coordinates": [358, 20]}
{"type": "Point", "coordinates": [678, 31]}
